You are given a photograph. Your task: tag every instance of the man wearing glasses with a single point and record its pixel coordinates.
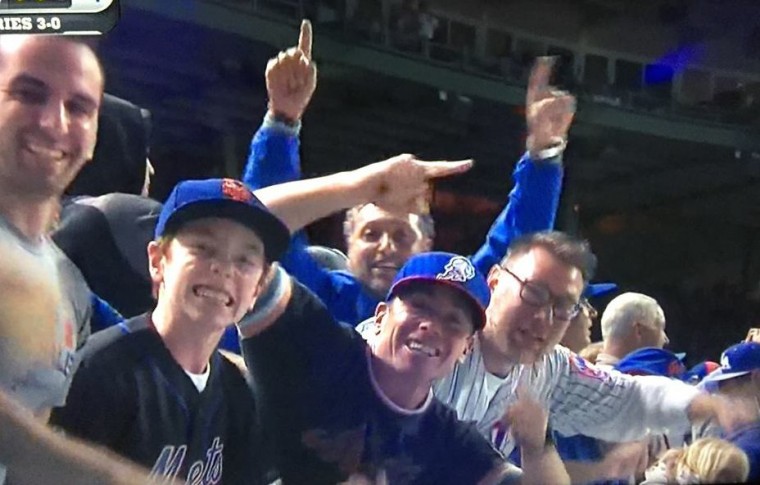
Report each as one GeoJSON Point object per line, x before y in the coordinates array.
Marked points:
{"type": "Point", "coordinates": [535, 293]}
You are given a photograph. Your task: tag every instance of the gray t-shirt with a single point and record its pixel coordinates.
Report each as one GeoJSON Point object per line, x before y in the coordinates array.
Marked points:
{"type": "Point", "coordinates": [44, 313]}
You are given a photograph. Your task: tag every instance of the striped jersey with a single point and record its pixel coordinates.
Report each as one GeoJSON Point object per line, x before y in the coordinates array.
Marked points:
{"type": "Point", "coordinates": [581, 398]}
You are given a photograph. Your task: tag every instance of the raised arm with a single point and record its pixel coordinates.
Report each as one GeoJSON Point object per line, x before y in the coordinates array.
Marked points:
{"type": "Point", "coordinates": [534, 199]}
{"type": "Point", "coordinates": [35, 454]}
{"type": "Point", "coordinates": [399, 184]}
{"type": "Point", "coordinates": [291, 79]}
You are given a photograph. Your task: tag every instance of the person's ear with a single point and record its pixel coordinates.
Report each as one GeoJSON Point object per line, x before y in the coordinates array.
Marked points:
{"type": "Point", "coordinates": [380, 312]}
{"type": "Point", "coordinates": [155, 261]}
{"type": "Point", "coordinates": [637, 326]}
{"type": "Point", "coordinates": [493, 276]}
{"type": "Point", "coordinates": [155, 265]}
{"type": "Point", "coordinates": [469, 346]}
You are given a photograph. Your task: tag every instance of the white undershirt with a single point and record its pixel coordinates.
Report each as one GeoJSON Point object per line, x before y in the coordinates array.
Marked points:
{"type": "Point", "coordinates": [200, 380]}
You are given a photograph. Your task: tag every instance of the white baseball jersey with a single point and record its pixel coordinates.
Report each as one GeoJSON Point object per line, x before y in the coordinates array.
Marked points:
{"type": "Point", "coordinates": [581, 398]}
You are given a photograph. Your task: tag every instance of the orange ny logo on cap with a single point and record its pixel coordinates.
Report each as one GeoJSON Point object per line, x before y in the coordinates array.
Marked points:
{"type": "Point", "coordinates": [235, 190]}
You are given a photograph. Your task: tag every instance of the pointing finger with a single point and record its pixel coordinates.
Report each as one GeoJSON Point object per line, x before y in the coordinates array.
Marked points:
{"type": "Point", "coordinates": [304, 38]}
{"type": "Point", "coordinates": [538, 83]}
{"type": "Point", "coordinates": [438, 169]}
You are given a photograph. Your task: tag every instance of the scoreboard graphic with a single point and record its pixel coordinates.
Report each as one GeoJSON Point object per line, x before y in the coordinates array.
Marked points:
{"type": "Point", "coordinates": [84, 17]}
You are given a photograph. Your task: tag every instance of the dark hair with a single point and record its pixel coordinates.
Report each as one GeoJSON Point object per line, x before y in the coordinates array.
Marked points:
{"type": "Point", "coordinates": [568, 249]}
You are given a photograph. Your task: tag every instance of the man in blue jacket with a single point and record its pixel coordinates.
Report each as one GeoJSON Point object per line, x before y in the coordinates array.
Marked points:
{"type": "Point", "coordinates": [379, 242]}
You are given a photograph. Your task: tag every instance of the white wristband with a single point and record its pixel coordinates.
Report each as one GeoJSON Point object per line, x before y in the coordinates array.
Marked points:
{"type": "Point", "coordinates": [557, 148]}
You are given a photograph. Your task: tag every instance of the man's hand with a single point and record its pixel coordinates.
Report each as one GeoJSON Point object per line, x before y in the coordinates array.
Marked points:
{"type": "Point", "coordinates": [292, 78]}
{"type": "Point", "coordinates": [402, 184]}
{"type": "Point", "coordinates": [548, 111]}
{"type": "Point", "coordinates": [527, 421]}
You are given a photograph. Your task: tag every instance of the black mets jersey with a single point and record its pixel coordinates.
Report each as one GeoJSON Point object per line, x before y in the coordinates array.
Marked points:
{"type": "Point", "coordinates": [130, 395]}
{"type": "Point", "coordinates": [329, 420]}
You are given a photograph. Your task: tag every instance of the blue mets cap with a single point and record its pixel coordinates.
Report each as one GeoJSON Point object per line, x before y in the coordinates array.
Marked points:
{"type": "Point", "coordinates": [696, 374]}
{"type": "Point", "coordinates": [652, 361]}
{"type": "Point", "coordinates": [736, 361]}
{"type": "Point", "coordinates": [228, 199]}
{"type": "Point", "coordinates": [598, 289]}
{"type": "Point", "coordinates": [450, 270]}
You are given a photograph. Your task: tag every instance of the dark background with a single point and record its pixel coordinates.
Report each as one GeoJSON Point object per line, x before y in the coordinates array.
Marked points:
{"type": "Point", "coordinates": [665, 185]}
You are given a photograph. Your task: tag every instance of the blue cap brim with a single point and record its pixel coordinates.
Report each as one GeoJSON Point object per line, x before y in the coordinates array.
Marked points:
{"type": "Point", "coordinates": [719, 375]}
{"type": "Point", "coordinates": [598, 289]}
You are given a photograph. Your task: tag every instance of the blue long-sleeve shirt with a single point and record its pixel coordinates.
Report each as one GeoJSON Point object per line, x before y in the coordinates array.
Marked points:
{"type": "Point", "coordinates": [531, 207]}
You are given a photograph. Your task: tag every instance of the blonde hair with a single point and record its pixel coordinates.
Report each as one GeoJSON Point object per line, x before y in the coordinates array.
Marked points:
{"type": "Point", "coordinates": [707, 460]}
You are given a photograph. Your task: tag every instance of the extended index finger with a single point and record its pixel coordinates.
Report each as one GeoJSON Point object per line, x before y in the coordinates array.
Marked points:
{"type": "Point", "coordinates": [304, 38]}
{"type": "Point", "coordinates": [442, 168]}
{"type": "Point", "coordinates": [538, 83]}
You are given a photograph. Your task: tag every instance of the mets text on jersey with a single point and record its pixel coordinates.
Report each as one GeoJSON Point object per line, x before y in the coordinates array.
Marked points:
{"type": "Point", "coordinates": [202, 472]}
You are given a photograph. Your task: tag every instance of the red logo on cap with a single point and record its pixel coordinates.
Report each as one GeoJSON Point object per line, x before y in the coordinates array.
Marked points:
{"type": "Point", "coordinates": [235, 190]}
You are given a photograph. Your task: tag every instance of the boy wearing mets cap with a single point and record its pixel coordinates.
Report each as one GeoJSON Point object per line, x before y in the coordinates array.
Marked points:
{"type": "Point", "coordinates": [342, 409]}
{"type": "Point", "coordinates": [154, 388]}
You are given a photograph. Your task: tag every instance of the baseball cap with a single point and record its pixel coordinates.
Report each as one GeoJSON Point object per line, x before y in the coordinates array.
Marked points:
{"type": "Point", "coordinates": [598, 289]}
{"type": "Point", "coordinates": [226, 198]}
{"type": "Point", "coordinates": [696, 374]}
{"type": "Point", "coordinates": [652, 361]}
{"type": "Point", "coordinates": [450, 270]}
{"type": "Point", "coordinates": [736, 361]}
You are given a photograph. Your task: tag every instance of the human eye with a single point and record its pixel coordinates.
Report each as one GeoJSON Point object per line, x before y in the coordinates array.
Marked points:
{"type": "Point", "coordinates": [566, 310]}
{"type": "Point", "coordinates": [458, 324]}
{"type": "Point", "coordinates": [247, 263]}
{"type": "Point", "coordinates": [418, 303]}
{"type": "Point", "coordinates": [80, 109]}
{"type": "Point", "coordinates": [404, 238]}
{"type": "Point", "coordinates": [370, 235]}
{"type": "Point", "coordinates": [200, 248]}
{"type": "Point", "coordinates": [535, 294]}
{"type": "Point", "coordinates": [27, 94]}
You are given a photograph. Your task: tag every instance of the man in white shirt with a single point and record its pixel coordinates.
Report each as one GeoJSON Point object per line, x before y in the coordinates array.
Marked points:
{"type": "Point", "coordinates": [535, 292]}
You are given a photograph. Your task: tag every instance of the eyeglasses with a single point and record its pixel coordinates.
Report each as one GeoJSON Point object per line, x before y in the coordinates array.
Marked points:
{"type": "Point", "coordinates": [592, 312]}
{"type": "Point", "coordinates": [538, 295]}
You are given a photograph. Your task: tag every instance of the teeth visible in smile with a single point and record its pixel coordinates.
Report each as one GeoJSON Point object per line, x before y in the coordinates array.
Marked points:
{"type": "Point", "coordinates": [386, 266]}
{"type": "Point", "coordinates": [44, 151]}
{"type": "Point", "coordinates": [419, 347]}
{"type": "Point", "coordinates": [219, 296]}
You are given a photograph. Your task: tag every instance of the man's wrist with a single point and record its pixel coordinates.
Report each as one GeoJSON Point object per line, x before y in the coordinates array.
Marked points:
{"type": "Point", "coordinates": [282, 123]}
{"type": "Point", "coordinates": [282, 117]}
{"type": "Point", "coordinates": [546, 150]}
{"type": "Point", "coordinates": [540, 449]}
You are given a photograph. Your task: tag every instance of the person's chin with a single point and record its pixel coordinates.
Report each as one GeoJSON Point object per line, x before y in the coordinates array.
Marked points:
{"type": "Point", "coordinates": [378, 287]}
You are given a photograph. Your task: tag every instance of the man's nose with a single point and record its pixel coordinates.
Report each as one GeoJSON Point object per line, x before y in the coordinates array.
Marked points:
{"type": "Point", "coordinates": [222, 265]}
{"type": "Point", "coordinates": [54, 116]}
{"type": "Point", "coordinates": [386, 242]}
{"type": "Point", "coordinates": [545, 315]}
